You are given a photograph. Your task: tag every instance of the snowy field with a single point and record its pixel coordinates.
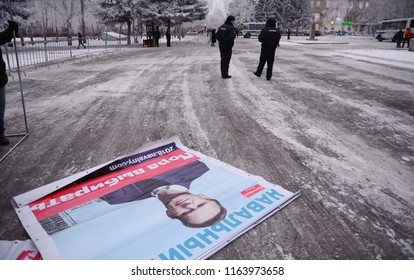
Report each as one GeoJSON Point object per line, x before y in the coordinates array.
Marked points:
{"type": "Point", "coordinates": [336, 122]}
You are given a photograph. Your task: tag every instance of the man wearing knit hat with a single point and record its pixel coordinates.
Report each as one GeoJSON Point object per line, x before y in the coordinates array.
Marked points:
{"type": "Point", "coordinates": [225, 36]}
{"type": "Point", "coordinates": [269, 37]}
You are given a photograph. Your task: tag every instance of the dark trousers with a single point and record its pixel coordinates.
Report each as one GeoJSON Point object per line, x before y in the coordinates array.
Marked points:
{"type": "Point", "coordinates": [225, 54]}
{"type": "Point", "coordinates": [266, 56]}
{"type": "Point", "coordinates": [168, 41]}
{"type": "Point", "coordinates": [81, 44]}
{"type": "Point", "coordinates": [2, 109]}
{"type": "Point", "coordinates": [406, 40]}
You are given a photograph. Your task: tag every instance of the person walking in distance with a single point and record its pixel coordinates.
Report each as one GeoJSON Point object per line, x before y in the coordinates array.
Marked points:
{"type": "Point", "coordinates": [225, 35]}
{"type": "Point", "coordinates": [213, 37]}
{"type": "Point", "coordinates": [269, 37]}
{"type": "Point", "coordinates": [80, 41]}
{"type": "Point", "coordinates": [5, 37]}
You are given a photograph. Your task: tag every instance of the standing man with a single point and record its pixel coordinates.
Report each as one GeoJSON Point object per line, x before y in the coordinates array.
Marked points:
{"type": "Point", "coordinates": [213, 37]}
{"type": "Point", "coordinates": [5, 37]}
{"type": "Point", "coordinates": [399, 37]}
{"type": "Point", "coordinates": [168, 36]}
{"type": "Point", "coordinates": [157, 36]}
{"type": "Point", "coordinates": [269, 37]}
{"type": "Point", "coordinates": [288, 34]}
{"type": "Point", "coordinates": [407, 37]}
{"type": "Point", "coordinates": [226, 35]}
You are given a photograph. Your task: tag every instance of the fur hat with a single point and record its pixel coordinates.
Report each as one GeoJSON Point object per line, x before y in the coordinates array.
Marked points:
{"type": "Point", "coordinates": [230, 18]}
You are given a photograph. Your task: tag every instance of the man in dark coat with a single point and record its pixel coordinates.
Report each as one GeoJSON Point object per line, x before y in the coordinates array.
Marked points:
{"type": "Point", "coordinates": [5, 37]}
{"type": "Point", "coordinates": [398, 37]}
{"type": "Point", "coordinates": [168, 36]}
{"type": "Point", "coordinates": [269, 37]}
{"type": "Point", "coordinates": [225, 35]}
{"type": "Point", "coordinates": [213, 37]}
{"type": "Point", "coordinates": [157, 36]}
{"type": "Point", "coordinates": [80, 39]}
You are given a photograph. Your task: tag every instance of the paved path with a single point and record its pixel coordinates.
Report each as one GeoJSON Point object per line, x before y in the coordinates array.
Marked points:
{"type": "Point", "coordinates": [338, 128]}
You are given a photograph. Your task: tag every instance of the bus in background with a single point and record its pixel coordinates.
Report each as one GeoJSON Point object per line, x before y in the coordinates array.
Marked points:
{"type": "Point", "coordinates": [389, 27]}
{"type": "Point", "coordinates": [252, 28]}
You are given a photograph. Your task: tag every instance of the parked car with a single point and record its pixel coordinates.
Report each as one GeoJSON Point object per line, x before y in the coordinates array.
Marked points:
{"type": "Point", "coordinates": [252, 29]}
{"type": "Point", "coordinates": [341, 33]}
{"type": "Point", "coordinates": [191, 33]}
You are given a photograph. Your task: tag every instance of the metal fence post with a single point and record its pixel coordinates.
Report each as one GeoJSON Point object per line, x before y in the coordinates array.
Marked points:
{"type": "Point", "coordinates": [7, 57]}
{"type": "Point", "coordinates": [46, 56]}
{"type": "Point", "coordinates": [70, 50]}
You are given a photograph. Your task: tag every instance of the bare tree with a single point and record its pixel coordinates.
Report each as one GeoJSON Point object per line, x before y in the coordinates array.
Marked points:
{"type": "Point", "coordinates": [337, 10]}
{"type": "Point", "coordinates": [119, 11]}
{"type": "Point", "coordinates": [384, 9]}
{"type": "Point", "coordinates": [288, 13]}
{"type": "Point", "coordinates": [59, 13]}
{"type": "Point", "coordinates": [218, 12]}
{"type": "Point", "coordinates": [82, 10]}
{"type": "Point", "coordinates": [68, 9]}
{"type": "Point", "coordinates": [243, 10]}
{"type": "Point", "coordinates": [18, 10]}
{"type": "Point", "coordinates": [265, 9]}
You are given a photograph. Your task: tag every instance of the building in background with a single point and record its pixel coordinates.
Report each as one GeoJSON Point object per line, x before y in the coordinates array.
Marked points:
{"type": "Point", "coordinates": [341, 16]}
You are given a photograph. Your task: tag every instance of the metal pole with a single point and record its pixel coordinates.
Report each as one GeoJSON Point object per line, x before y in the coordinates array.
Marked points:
{"type": "Point", "coordinates": [106, 38]}
{"type": "Point", "coordinates": [25, 135]}
{"type": "Point", "coordinates": [45, 49]}
{"type": "Point", "coordinates": [15, 146]}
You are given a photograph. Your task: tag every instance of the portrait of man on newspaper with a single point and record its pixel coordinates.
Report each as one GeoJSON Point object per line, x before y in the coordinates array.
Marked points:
{"type": "Point", "coordinates": [173, 190]}
{"type": "Point", "coordinates": [124, 208]}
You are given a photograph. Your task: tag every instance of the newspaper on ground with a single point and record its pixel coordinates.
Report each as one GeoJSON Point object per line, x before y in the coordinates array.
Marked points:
{"type": "Point", "coordinates": [164, 202]}
{"type": "Point", "coordinates": [19, 250]}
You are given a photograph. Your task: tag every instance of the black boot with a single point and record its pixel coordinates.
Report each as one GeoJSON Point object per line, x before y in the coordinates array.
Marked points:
{"type": "Point", "coordinates": [4, 141]}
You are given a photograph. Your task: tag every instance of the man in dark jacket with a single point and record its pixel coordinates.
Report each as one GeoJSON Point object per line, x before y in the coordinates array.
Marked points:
{"type": "Point", "coordinates": [213, 37]}
{"type": "Point", "coordinates": [269, 37]}
{"type": "Point", "coordinates": [80, 39]}
{"type": "Point", "coordinates": [225, 35]}
{"type": "Point", "coordinates": [168, 36]}
{"type": "Point", "coordinates": [5, 37]}
{"type": "Point", "coordinates": [398, 37]}
{"type": "Point", "coordinates": [157, 36]}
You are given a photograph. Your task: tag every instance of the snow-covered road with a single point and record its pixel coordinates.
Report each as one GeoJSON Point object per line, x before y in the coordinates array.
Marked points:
{"type": "Point", "coordinates": [332, 122]}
